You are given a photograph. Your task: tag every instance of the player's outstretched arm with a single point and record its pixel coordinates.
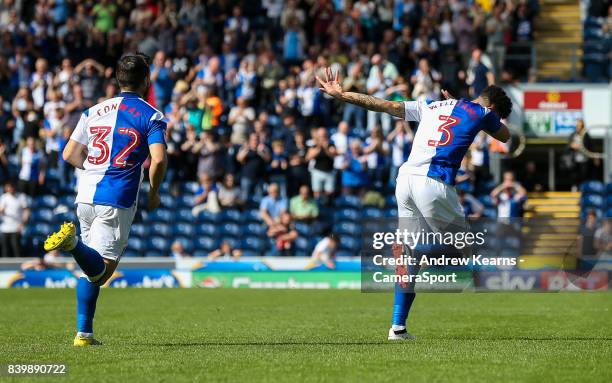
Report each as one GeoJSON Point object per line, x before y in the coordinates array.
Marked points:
{"type": "Point", "coordinates": [331, 85]}
{"type": "Point", "coordinates": [157, 171]}
{"type": "Point", "coordinates": [75, 153]}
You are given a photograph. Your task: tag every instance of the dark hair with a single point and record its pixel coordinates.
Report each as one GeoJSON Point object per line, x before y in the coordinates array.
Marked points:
{"type": "Point", "coordinates": [133, 70]}
{"type": "Point", "coordinates": [497, 97]}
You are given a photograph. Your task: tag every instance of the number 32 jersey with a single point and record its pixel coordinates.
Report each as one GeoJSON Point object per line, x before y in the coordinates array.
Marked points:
{"type": "Point", "coordinates": [117, 133]}
{"type": "Point", "coordinates": [445, 132]}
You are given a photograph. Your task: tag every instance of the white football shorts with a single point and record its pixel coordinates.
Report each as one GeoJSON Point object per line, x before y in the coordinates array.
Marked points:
{"type": "Point", "coordinates": [424, 198]}
{"type": "Point", "coordinates": [105, 228]}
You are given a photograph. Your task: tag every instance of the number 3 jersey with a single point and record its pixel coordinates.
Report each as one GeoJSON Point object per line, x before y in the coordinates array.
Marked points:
{"type": "Point", "coordinates": [117, 133]}
{"type": "Point", "coordinates": [445, 132]}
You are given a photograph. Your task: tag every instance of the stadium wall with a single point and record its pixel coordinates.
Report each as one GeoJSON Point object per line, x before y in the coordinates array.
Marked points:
{"type": "Point", "coordinates": [299, 273]}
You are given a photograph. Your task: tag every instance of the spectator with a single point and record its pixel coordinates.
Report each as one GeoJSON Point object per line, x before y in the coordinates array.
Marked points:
{"type": "Point", "coordinates": [586, 238]}
{"type": "Point", "coordinates": [225, 252]}
{"type": "Point", "coordinates": [241, 118]}
{"type": "Point", "coordinates": [479, 76]}
{"type": "Point", "coordinates": [272, 205]}
{"type": "Point", "coordinates": [324, 252]}
{"type": "Point", "coordinates": [206, 196]}
{"type": "Point", "coordinates": [302, 207]}
{"type": "Point", "coordinates": [162, 79]}
{"type": "Point", "coordinates": [322, 155]}
{"type": "Point", "coordinates": [33, 168]}
{"type": "Point", "coordinates": [15, 213]}
{"type": "Point", "coordinates": [283, 233]}
{"type": "Point", "coordinates": [400, 139]}
{"type": "Point", "coordinates": [425, 82]}
{"type": "Point", "coordinates": [253, 157]}
{"type": "Point", "coordinates": [376, 151]}
{"type": "Point", "coordinates": [472, 208]}
{"type": "Point", "coordinates": [509, 196]}
{"type": "Point", "coordinates": [48, 261]}
{"type": "Point", "coordinates": [228, 193]}
{"type": "Point", "coordinates": [279, 165]}
{"type": "Point", "coordinates": [603, 239]}
{"type": "Point", "coordinates": [178, 252]}
{"type": "Point", "coordinates": [578, 161]}
{"type": "Point", "coordinates": [354, 82]}
{"type": "Point", "coordinates": [355, 173]}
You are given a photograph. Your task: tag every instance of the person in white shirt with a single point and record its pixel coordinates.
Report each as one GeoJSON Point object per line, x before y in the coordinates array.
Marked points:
{"type": "Point", "coordinates": [324, 252]}
{"type": "Point", "coordinates": [14, 212]}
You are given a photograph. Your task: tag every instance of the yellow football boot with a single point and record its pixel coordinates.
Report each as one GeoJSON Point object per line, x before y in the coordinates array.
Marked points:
{"type": "Point", "coordinates": [82, 341]}
{"type": "Point", "coordinates": [63, 239]}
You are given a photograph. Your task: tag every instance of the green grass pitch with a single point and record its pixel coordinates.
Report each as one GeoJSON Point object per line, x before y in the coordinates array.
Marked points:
{"type": "Point", "coordinates": [290, 335]}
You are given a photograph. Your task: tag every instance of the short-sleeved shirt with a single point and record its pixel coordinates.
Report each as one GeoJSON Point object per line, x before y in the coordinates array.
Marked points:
{"type": "Point", "coordinates": [12, 206]}
{"type": "Point", "coordinates": [445, 132]}
{"type": "Point", "coordinates": [117, 133]}
{"type": "Point", "coordinates": [274, 207]}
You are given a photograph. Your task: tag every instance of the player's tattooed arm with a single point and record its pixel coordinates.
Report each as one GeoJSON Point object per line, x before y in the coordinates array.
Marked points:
{"type": "Point", "coordinates": [331, 86]}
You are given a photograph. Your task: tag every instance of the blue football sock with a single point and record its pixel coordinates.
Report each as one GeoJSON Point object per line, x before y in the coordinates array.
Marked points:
{"type": "Point", "coordinates": [87, 295]}
{"type": "Point", "coordinates": [90, 261]}
{"type": "Point", "coordinates": [401, 306]}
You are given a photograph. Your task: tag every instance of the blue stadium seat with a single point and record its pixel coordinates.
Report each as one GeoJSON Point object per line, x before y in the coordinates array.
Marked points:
{"type": "Point", "coordinates": [390, 201]}
{"type": "Point", "coordinates": [372, 213]}
{"type": "Point", "coordinates": [139, 230]}
{"type": "Point", "coordinates": [200, 253]}
{"type": "Point", "coordinates": [70, 215]}
{"type": "Point", "coordinates": [350, 244]}
{"type": "Point", "coordinates": [348, 201]}
{"type": "Point", "coordinates": [233, 242]}
{"type": "Point", "coordinates": [184, 229]}
{"type": "Point", "coordinates": [160, 215]}
{"type": "Point", "coordinates": [512, 242]}
{"type": "Point", "coordinates": [161, 229]}
{"type": "Point", "coordinates": [207, 229]}
{"type": "Point", "coordinates": [131, 254]}
{"type": "Point", "coordinates": [42, 229]}
{"type": "Point", "coordinates": [255, 244]}
{"type": "Point", "coordinates": [136, 244]}
{"type": "Point", "coordinates": [303, 229]}
{"type": "Point", "coordinates": [486, 200]}
{"type": "Point", "coordinates": [347, 228]}
{"type": "Point", "coordinates": [609, 213]}
{"type": "Point", "coordinates": [490, 212]}
{"type": "Point", "coordinates": [609, 202]}
{"type": "Point", "coordinates": [184, 215]}
{"type": "Point", "coordinates": [592, 200]}
{"type": "Point", "coordinates": [347, 214]}
{"type": "Point", "coordinates": [251, 253]}
{"type": "Point", "coordinates": [345, 253]}
{"type": "Point", "coordinates": [187, 243]}
{"type": "Point", "coordinates": [206, 216]}
{"type": "Point", "coordinates": [67, 200]}
{"type": "Point", "coordinates": [231, 215]}
{"type": "Point", "coordinates": [231, 229]}
{"type": "Point", "coordinates": [43, 215]}
{"type": "Point", "coordinates": [254, 229]}
{"type": "Point", "coordinates": [206, 244]}
{"type": "Point", "coordinates": [185, 201]}
{"type": "Point", "coordinates": [158, 244]}
{"type": "Point", "coordinates": [190, 187]}
{"type": "Point", "coordinates": [252, 215]}
{"type": "Point", "coordinates": [47, 200]}
{"type": "Point", "coordinates": [592, 187]}
{"type": "Point", "coordinates": [609, 188]}
{"type": "Point", "coordinates": [167, 201]}
{"type": "Point", "coordinates": [390, 212]}
{"type": "Point", "coordinates": [304, 245]}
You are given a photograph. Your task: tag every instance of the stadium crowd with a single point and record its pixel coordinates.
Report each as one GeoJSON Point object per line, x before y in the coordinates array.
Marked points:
{"type": "Point", "coordinates": [236, 80]}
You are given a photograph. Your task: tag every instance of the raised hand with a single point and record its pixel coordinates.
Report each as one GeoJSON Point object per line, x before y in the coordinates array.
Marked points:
{"type": "Point", "coordinates": [331, 85]}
